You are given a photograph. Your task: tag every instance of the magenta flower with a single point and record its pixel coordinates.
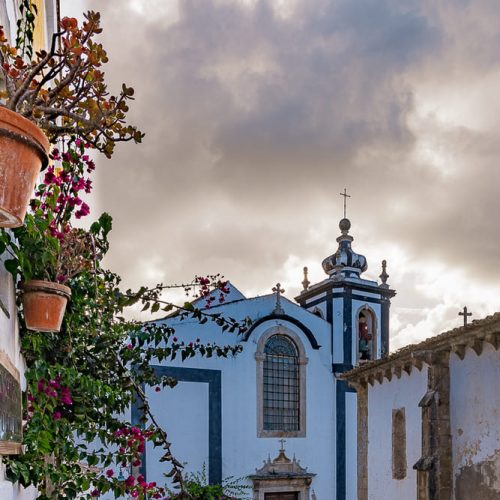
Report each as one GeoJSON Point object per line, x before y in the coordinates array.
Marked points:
{"type": "Point", "coordinates": [66, 396]}
{"type": "Point", "coordinates": [56, 415]}
{"type": "Point", "coordinates": [130, 481]}
{"type": "Point", "coordinates": [110, 473]}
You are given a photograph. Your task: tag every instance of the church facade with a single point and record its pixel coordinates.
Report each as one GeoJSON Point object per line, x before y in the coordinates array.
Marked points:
{"type": "Point", "coordinates": [279, 414]}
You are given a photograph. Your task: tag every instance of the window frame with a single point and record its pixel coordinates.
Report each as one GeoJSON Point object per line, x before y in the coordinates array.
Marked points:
{"type": "Point", "coordinates": [302, 363]}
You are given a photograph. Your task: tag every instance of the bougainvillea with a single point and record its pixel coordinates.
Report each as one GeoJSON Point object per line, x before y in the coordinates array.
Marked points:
{"type": "Point", "coordinates": [63, 89]}
{"type": "Point", "coordinates": [81, 381]}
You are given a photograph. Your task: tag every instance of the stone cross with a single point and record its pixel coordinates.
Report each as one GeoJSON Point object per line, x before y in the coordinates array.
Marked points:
{"type": "Point", "coordinates": [282, 441]}
{"type": "Point", "coordinates": [465, 314]}
{"type": "Point", "coordinates": [278, 291]}
{"type": "Point", "coordinates": [345, 195]}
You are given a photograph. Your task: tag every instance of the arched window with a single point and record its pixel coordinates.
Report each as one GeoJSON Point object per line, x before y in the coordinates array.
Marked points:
{"type": "Point", "coordinates": [281, 384]}
{"type": "Point", "coordinates": [366, 335]}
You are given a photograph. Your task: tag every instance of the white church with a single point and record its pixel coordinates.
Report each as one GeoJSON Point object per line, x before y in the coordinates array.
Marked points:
{"type": "Point", "coordinates": [278, 413]}
{"type": "Point", "coordinates": [315, 407]}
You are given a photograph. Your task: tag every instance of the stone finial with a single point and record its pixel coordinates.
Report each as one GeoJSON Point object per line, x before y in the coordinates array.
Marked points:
{"type": "Point", "coordinates": [306, 282]}
{"type": "Point", "coordinates": [383, 275]}
{"type": "Point", "coordinates": [278, 291]}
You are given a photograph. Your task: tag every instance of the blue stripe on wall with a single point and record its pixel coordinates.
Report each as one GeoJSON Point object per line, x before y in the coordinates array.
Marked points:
{"type": "Point", "coordinates": [213, 379]}
{"type": "Point", "coordinates": [341, 389]}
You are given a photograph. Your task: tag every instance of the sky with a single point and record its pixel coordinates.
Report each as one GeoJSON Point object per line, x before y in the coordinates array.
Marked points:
{"type": "Point", "coordinates": [259, 113]}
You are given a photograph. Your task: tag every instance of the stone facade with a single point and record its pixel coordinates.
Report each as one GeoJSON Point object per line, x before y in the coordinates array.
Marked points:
{"type": "Point", "coordinates": [457, 407]}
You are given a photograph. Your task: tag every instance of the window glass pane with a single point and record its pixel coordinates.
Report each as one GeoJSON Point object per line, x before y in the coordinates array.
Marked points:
{"type": "Point", "coordinates": [281, 385]}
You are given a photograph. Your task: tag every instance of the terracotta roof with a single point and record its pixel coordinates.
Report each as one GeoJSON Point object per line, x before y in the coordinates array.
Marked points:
{"type": "Point", "coordinates": [413, 355]}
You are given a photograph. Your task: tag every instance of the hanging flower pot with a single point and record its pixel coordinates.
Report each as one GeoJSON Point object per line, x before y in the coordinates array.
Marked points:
{"type": "Point", "coordinates": [44, 304]}
{"type": "Point", "coordinates": [23, 150]}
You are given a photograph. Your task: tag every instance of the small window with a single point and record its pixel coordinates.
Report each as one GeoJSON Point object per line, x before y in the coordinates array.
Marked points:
{"type": "Point", "coordinates": [398, 443]}
{"type": "Point", "coordinates": [281, 385]}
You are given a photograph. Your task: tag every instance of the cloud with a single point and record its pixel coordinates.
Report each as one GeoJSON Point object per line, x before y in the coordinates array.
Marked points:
{"type": "Point", "coordinates": [258, 116]}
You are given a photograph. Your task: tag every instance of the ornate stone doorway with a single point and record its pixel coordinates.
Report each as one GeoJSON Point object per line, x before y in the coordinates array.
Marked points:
{"type": "Point", "coordinates": [281, 479]}
{"type": "Point", "coordinates": [294, 495]}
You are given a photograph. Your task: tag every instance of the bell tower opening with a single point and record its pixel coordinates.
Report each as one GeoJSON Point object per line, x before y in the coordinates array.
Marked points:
{"type": "Point", "coordinates": [367, 349]}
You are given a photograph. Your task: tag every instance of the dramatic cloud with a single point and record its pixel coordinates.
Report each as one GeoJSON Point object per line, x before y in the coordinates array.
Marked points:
{"type": "Point", "coordinates": [259, 113]}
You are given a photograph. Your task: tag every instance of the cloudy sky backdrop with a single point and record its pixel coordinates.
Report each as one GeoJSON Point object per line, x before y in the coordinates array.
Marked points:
{"type": "Point", "coordinates": [258, 113]}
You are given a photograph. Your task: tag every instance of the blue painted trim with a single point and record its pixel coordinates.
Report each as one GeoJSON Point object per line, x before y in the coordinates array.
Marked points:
{"type": "Point", "coordinates": [341, 367]}
{"type": "Point", "coordinates": [341, 389]}
{"type": "Point", "coordinates": [372, 300]}
{"type": "Point", "coordinates": [347, 321]}
{"type": "Point", "coordinates": [284, 317]}
{"type": "Point", "coordinates": [214, 380]}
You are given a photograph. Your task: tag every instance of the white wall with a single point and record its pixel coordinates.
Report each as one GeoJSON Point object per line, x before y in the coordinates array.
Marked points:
{"type": "Point", "coordinates": [243, 451]}
{"type": "Point", "coordinates": [406, 393]}
{"type": "Point", "coordinates": [475, 423]}
{"type": "Point", "coordinates": [9, 345]}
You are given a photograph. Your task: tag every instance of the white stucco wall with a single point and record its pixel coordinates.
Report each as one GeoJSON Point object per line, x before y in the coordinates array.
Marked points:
{"type": "Point", "coordinates": [475, 422]}
{"type": "Point", "coordinates": [9, 346]}
{"type": "Point", "coordinates": [243, 451]}
{"type": "Point", "coordinates": [406, 393]}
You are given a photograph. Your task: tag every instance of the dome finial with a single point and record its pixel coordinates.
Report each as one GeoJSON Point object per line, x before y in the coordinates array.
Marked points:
{"type": "Point", "coordinates": [344, 262]}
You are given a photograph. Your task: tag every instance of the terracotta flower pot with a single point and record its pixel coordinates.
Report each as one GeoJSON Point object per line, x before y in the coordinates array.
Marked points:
{"type": "Point", "coordinates": [23, 150]}
{"type": "Point", "coordinates": [44, 304]}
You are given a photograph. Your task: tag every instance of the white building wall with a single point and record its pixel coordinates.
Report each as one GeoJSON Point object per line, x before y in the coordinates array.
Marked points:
{"type": "Point", "coordinates": [9, 347]}
{"type": "Point", "coordinates": [475, 423]}
{"type": "Point", "coordinates": [406, 393]}
{"type": "Point", "coordinates": [243, 451]}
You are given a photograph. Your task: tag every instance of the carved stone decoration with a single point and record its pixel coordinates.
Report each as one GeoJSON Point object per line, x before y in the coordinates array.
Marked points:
{"type": "Point", "coordinates": [281, 475]}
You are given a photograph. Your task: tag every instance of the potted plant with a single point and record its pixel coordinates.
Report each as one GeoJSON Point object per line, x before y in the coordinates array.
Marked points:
{"type": "Point", "coordinates": [61, 92]}
{"type": "Point", "coordinates": [47, 252]}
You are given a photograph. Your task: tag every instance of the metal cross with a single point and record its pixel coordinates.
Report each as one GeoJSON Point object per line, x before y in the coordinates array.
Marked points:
{"type": "Point", "coordinates": [465, 314]}
{"type": "Point", "coordinates": [282, 441]}
{"type": "Point", "coordinates": [278, 291]}
{"type": "Point", "coordinates": [345, 195]}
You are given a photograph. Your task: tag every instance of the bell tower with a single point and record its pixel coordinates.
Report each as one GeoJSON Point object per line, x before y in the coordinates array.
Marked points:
{"type": "Point", "coordinates": [358, 312]}
{"type": "Point", "coordinates": [356, 308]}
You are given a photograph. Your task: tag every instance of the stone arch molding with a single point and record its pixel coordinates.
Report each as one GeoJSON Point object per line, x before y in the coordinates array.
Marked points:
{"type": "Point", "coordinates": [375, 331]}
{"type": "Point", "coordinates": [303, 360]}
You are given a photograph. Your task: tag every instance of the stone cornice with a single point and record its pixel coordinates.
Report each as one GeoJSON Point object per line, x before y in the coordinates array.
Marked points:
{"type": "Point", "coordinates": [431, 351]}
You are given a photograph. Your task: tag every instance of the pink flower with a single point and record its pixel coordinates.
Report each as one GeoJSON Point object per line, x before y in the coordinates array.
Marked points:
{"type": "Point", "coordinates": [140, 448]}
{"type": "Point", "coordinates": [130, 346]}
{"type": "Point", "coordinates": [157, 389]}
{"type": "Point", "coordinates": [66, 396]}
{"type": "Point", "coordinates": [134, 494]}
{"type": "Point", "coordinates": [136, 463]}
{"type": "Point", "coordinates": [56, 415]}
{"type": "Point", "coordinates": [110, 473]}
{"type": "Point", "coordinates": [95, 493]}
{"type": "Point", "coordinates": [30, 397]}
{"type": "Point", "coordinates": [130, 481]}
{"type": "Point", "coordinates": [78, 142]}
